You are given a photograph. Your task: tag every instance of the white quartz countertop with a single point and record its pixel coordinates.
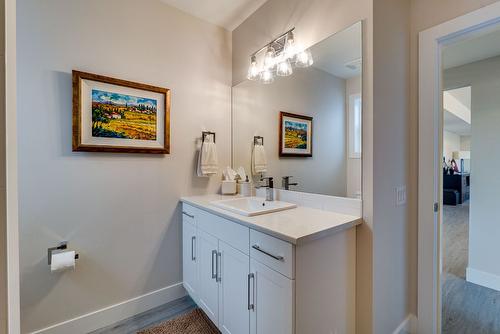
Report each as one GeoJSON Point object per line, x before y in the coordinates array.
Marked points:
{"type": "Point", "coordinates": [297, 225]}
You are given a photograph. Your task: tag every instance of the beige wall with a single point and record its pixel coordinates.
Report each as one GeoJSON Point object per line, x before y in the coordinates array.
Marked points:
{"type": "Point", "coordinates": [391, 247]}
{"type": "Point", "coordinates": [425, 14]}
{"type": "Point", "coordinates": [119, 211]}
{"type": "Point", "coordinates": [3, 198]}
{"type": "Point", "coordinates": [310, 92]}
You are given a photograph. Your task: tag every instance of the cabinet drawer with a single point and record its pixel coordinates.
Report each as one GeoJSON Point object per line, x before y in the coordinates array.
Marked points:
{"type": "Point", "coordinates": [274, 253]}
{"type": "Point", "coordinates": [232, 233]}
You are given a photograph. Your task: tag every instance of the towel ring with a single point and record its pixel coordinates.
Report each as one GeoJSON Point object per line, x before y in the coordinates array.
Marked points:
{"type": "Point", "coordinates": [256, 140]}
{"type": "Point", "coordinates": [204, 134]}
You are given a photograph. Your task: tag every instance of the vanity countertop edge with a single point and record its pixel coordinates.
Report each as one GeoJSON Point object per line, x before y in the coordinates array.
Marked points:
{"type": "Point", "coordinates": [298, 225]}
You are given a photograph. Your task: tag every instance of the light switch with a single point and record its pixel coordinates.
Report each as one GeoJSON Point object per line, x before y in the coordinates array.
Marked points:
{"type": "Point", "coordinates": [400, 195]}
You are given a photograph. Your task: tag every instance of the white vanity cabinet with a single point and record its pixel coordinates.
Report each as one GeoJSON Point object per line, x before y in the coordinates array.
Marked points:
{"type": "Point", "coordinates": [250, 282]}
{"type": "Point", "coordinates": [239, 294]}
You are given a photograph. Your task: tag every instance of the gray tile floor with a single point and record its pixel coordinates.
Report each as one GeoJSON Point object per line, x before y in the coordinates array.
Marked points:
{"type": "Point", "coordinates": [150, 318]}
{"type": "Point", "coordinates": [467, 308]}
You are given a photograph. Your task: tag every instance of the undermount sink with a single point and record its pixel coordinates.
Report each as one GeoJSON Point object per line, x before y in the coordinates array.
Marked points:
{"type": "Point", "coordinates": [252, 206]}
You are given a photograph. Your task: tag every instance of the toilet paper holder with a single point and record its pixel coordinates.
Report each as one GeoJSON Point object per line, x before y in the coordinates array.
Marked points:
{"type": "Point", "coordinates": [63, 245]}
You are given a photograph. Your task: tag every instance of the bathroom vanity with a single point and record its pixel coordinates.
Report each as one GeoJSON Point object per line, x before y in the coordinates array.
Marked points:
{"type": "Point", "coordinates": [286, 266]}
{"type": "Point", "coordinates": [291, 271]}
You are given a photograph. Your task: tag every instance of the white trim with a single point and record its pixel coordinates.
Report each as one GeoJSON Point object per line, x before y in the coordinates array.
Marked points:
{"type": "Point", "coordinates": [114, 313]}
{"type": "Point", "coordinates": [13, 295]}
{"type": "Point", "coordinates": [483, 278]}
{"type": "Point", "coordinates": [408, 326]}
{"type": "Point", "coordinates": [431, 42]}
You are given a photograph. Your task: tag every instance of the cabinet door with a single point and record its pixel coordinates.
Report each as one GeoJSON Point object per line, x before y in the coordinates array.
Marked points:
{"type": "Point", "coordinates": [208, 287]}
{"type": "Point", "coordinates": [234, 317]}
{"type": "Point", "coordinates": [273, 301]}
{"type": "Point", "coordinates": [189, 261]}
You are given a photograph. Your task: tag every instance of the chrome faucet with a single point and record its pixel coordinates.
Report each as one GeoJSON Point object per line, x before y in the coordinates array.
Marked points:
{"type": "Point", "coordinates": [286, 183]}
{"type": "Point", "coordinates": [269, 188]}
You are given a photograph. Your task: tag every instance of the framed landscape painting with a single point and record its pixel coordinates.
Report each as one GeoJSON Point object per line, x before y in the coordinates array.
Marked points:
{"type": "Point", "coordinates": [113, 115]}
{"type": "Point", "coordinates": [295, 135]}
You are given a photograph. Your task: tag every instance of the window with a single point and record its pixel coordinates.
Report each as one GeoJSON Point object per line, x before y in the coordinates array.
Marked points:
{"type": "Point", "coordinates": [355, 118]}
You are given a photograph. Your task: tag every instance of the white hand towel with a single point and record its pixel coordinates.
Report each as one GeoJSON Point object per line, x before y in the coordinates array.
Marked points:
{"type": "Point", "coordinates": [207, 159]}
{"type": "Point", "coordinates": [259, 160]}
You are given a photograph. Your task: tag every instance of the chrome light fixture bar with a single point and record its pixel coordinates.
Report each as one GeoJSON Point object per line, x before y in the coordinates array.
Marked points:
{"type": "Point", "coordinates": [280, 54]}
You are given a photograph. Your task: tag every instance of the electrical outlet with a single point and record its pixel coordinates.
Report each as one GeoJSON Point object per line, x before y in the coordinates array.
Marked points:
{"type": "Point", "coordinates": [400, 195]}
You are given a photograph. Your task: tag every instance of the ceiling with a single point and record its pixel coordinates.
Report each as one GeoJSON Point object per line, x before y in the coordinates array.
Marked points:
{"type": "Point", "coordinates": [472, 49]}
{"type": "Point", "coordinates": [228, 14]}
{"type": "Point", "coordinates": [457, 110]}
{"type": "Point", "coordinates": [333, 54]}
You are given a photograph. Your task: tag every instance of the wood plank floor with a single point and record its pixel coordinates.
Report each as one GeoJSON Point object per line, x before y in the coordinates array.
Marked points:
{"type": "Point", "coordinates": [467, 308]}
{"type": "Point", "coordinates": [150, 318]}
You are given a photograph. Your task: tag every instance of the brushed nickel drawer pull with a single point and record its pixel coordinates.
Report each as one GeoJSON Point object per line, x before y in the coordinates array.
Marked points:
{"type": "Point", "coordinates": [251, 306]}
{"type": "Point", "coordinates": [187, 214]}
{"type": "Point", "coordinates": [276, 257]}
{"type": "Point", "coordinates": [214, 273]}
{"type": "Point", "coordinates": [218, 265]}
{"type": "Point", "coordinates": [193, 256]}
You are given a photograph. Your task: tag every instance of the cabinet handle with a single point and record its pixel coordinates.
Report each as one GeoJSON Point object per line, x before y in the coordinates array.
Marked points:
{"type": "Point", "coordinates": [251, 276]}
{"type": "Point", "coordinates": [193, 256]}
{"type": "Point", "coordinates": [187, 214]}
{"type": "Point", "coordinates": [214, 273]}
{"type": "Point", "coordinates": [276, 257]}
{"type": "Point", "coordinates": [218, 263]}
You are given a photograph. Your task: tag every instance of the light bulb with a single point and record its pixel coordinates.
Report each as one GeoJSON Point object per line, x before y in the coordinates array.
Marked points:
{"type": "Point", "coordinates": [284, 68]}
{"type": "Point", "coordinates": [253, 70]}
{"type": "Point", "coordinates": [304, 59]}
{"type": "Point", "coordinates": [290, 47]}
{"type": "Point", "coordinates": [269, 57]}
{"type": "Point", "coordinates": [266, 76]}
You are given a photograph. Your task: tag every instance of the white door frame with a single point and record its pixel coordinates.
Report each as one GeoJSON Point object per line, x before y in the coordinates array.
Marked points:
{"type": "Point", "coordinates": [13, 295]}
{"type": "Point", "coordinates": [431, 42]}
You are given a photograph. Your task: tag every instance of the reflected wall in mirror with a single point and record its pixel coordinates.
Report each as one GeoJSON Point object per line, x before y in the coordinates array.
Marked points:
{"type": "Point", "coordinates": [329, 93]}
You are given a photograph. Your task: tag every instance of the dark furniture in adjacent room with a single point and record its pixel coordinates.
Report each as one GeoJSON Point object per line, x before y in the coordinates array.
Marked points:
{"type": "Point", "coordinates": [453, 185]}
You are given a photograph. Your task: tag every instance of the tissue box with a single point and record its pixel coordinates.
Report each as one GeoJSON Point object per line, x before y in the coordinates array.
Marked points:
{"type": "Point", "coordinates": [228, 187]}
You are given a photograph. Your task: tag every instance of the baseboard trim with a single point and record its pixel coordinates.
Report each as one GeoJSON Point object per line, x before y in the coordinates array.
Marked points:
{"type": "Point", "coordinates": [408, 326]}
{"type": "Point", "coordinates": [483, 278]}
{"type": "Point", "coordinates": [117, 312]}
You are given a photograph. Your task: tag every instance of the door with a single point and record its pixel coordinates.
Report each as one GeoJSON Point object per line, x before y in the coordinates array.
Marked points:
{"type": "Point", "coordinates": [273, 302]}
{"type": "Point", "coordinates": [208, 287]}
{"type": "Point", "coordinates": [234, 317]}
{"type": "Point", "coordinates": [189, 260]}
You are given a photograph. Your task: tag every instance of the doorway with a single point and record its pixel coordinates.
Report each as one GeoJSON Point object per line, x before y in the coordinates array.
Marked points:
{"type": "Point", "coordinates": [456, 291]}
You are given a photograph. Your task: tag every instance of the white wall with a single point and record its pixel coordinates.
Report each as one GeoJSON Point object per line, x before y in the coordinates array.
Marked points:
{"type": "Point", "coordinates": [451, 143]}
{"type": "Point", "coordinates": [119, 211]}
{"type": "Point", "coordinates": [465, 143]}
{"type": "Point", "coordinates": [310, 92]}
{"type": "Point", "coordinates": [484, 230]}
{"type": "Point", "coordinates": [353, 86]}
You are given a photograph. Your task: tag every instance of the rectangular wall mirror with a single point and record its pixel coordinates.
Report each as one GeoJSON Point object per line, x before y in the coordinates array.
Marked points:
{"type": "Point", "coordinates": [308, 122]}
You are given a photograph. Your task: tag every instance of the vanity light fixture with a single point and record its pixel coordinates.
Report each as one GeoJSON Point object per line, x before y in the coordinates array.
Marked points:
{"type": "Point", "coordinates": [280, 54]}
